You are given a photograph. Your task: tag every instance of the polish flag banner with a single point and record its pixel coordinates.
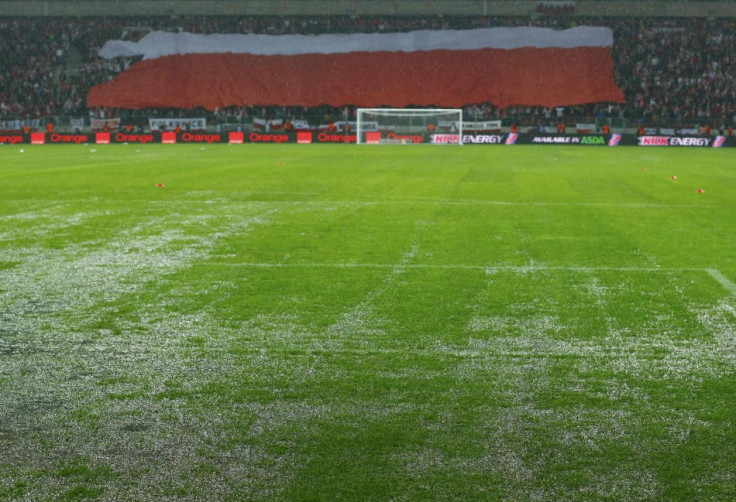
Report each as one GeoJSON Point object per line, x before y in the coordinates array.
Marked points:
{"type": "Point", "coordinates": [445, 68]}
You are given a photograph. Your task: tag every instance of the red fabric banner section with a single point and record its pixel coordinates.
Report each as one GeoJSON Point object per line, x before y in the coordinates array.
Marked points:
{"type": "Point", "coordinates": [443, 78]}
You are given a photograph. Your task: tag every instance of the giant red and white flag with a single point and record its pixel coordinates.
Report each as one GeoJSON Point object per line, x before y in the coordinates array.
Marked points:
{"type": "Point", "coordinates": [446, 68]}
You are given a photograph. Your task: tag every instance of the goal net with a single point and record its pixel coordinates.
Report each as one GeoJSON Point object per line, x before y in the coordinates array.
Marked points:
{"type": "Point", "coordinates": [409, 126]}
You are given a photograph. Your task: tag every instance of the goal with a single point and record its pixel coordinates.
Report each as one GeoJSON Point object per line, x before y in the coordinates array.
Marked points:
{"type": "Point", "coordinates": [410, 126]}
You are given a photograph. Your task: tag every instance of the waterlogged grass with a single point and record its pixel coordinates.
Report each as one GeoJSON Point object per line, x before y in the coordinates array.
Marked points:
{"type": "Point", "coordinates": [344, 323]}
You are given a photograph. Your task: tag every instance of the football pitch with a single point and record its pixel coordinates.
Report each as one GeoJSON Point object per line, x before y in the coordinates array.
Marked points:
{"type": "Point", "coordinates": [288, 322]}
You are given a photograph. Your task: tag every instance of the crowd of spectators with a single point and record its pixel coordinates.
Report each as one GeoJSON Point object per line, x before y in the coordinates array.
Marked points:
{"type": "Point", "coordinates": [29, 57]}
{"type": "Point", "coordinates": [672, 71]}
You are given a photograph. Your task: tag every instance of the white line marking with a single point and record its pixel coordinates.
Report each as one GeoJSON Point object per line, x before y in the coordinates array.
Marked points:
{"type": "Point", "coordinates": [722, 280]}
{"type": "Point", "coordinates": [361, 317]}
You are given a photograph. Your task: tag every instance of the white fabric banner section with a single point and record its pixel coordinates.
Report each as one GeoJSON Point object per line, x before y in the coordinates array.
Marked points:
{"type": "Point", "coordinates": [198, 124]}
{"type": "Point", "coordinates": [268, 124]}
{"type": "Point", "coordinates": [159, 43]}
{"type": "Point", "coordinates": [488, 125]}
{"type": "Point", "coordinates": [78, 123]}
{"type": "Point", "coordinates": [99, 124]}
{"type": "Point", "coordinates": [17, 125]}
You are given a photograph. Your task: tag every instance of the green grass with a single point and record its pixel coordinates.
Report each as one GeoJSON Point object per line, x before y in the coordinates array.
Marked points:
{"type": "Point", "coordinates": [367, 323]}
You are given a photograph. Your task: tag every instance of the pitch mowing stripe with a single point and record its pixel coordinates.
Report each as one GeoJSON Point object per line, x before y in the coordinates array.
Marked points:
{"type": "Point", "coordinates": [486, 268]}
{"type": "Point", "coordinates": [398, 200]}
{"type": "Point", "coordinates": [722, 280]}
{"type": "Point", "coordinates": [475, 202]}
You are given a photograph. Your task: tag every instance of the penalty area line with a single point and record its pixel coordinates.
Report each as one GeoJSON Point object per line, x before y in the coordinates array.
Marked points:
{"type": "Point", "coordinates": [722, 280]}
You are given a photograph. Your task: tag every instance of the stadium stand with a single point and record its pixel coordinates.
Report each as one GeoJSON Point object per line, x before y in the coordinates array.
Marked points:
{"type": "Point", "coordinates": [675, 72]}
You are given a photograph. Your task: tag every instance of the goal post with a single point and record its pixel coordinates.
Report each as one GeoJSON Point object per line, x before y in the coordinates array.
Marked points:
{"type": "Point", "coordinates": [409, 126]}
